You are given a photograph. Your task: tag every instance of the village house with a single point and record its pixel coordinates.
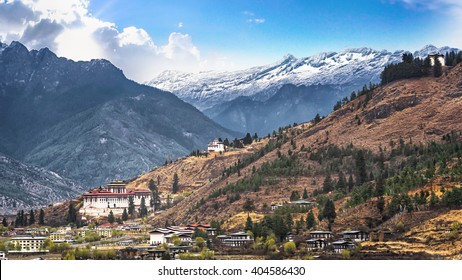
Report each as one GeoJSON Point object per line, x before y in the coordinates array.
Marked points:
{"type": "Point", "coordinates": [275, 206]}
{"type": "Point", "coordinates": [165, 235]}
{"type": "Point", "coordinates": [216, 146]}
{"type": "Point", "coordinates": [316, 244]}
{"type": "Point", "coordinates": [238, 239]}
{"type": "Point", "coordinates": [356, 235]}
{"type": "Point", "coordinates": [203, 227]}
{"type": "Point", "coordinates": [341, 245]}
{"type": "Point", "coordinates": [321, 234]}
{"type": "Point", "coordinates": [302, 203]}
{"type": "Point", "coordinates": [113, 197]}
{"type": "Point", "coordinates": [57, 236]}
{"type": "Point", "coordinates": [185, 238]}
{"type": "Point", "coordinates": [176, 250]}
{"type": "Point", "coordinates": [104, 230]}
{"type": "Point", "coordinates": [290, 237]}
{"type": "Point", "coordinates": [157, 236]}
{"type": "Point", "coordinates": [36, 231]}
{"type": "Point", "coordinates": [164, 200]}
{"type": "Point", "coordinates": [29, 244]}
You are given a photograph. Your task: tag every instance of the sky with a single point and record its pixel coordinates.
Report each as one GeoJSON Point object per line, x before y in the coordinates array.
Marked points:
{"type": "Point", "coordinates": [144, 38]}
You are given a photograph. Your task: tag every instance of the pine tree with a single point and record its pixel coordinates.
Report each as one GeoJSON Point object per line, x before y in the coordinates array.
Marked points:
{"type": "Point", "coordinates": [4, 222]}
{"type": "Point", "coordinates": [379, 186]}
{"type": "Point", "coordinates": [310, 220]}
{"type": "Point", "coordinates": [305, 194]}
{"type": "Point", "coordinates": [175, 183]}
{"type": "Point", "coordinates": [31, 217]}
{"type": "Point", "coordinates": [361, 167]}
{"type": "Point", "coordinates": [110, 217]}
{"type": "Point", "coordinates": [381, 204]}
{"type": "Point", "coordinates": [317, 119]}
{"type": "Point", "coordinates": [18, 221]}
{"type": "Point", "coordinates": [329, 213]}
{"type": "Point", "coordinates": [247, 139]}
{"type": "Point", "coordinates": [341, 184]}
{"type": "Point", "coordinates": [155, 200]}
{"type": "Point", "coordinates": [289, 221]}
{"type": "Point", "coordinates": [437, 68]}
{"type": "Point", "coordinates": [41, 217]}
{"type": "Point", "coordinates": [248, 205]}
{"type": "Point", "coordinates": [131, 206]}
{"type": "Point", "coordinates": [302, 223]}
{"type": "Point", "coordinates": [351, 183]}
{"type": "Point", "coordinates": [143, 210]}
{"type": "Point", "coordinates": [125, 215]}
{"type": "Point", "coordinates": [294, 196]}
{"type": "Point", "coordinates": [248, 223]}
{"type": "Point", "coordinates": [327, 185]}
{"type": "Point", "coordinates": [72, 214]}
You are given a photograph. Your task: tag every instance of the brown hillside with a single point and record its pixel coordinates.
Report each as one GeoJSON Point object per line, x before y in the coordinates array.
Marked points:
{"type": "Point", "coordinates": [194, 172]}
{"type": "Point", "coordinates": [418, 110]}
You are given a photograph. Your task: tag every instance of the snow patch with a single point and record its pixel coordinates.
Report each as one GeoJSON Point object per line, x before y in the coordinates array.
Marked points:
{"type": "Point", "coordinates": [102, 140]}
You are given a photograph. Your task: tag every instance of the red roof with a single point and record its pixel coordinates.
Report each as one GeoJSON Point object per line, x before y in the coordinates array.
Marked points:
{"type": "Point", "coordinates": [111, 194]}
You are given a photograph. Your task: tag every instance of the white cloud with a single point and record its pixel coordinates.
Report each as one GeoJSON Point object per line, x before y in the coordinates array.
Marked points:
{"type": "Point", "coordinates": [180, 46]}
{"type": "Point", "coordinates": [256, 20]}
{"type": "Point", "coordinates": [251, 18]}
{"type": "Point", "coordinates": [68, 29]}
{"type": "Point", "coordinates": [180, 24]}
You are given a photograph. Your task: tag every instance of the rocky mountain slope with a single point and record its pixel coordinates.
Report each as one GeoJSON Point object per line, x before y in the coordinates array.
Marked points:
{"type": "Point", "coordinates": [88, 122]}
{"type": "Point", "coordinates": [414, 111]}
{"type": "Point", "coordinates": [288, 105]}
{"type": "Point", "coordinates": [24, 186]}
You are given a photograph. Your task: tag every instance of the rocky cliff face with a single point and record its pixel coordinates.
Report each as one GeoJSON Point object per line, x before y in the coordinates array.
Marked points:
{"type": "Point", "coordinates": [87, 122]}
{"type": "Point", "coordinates": [23, 186]}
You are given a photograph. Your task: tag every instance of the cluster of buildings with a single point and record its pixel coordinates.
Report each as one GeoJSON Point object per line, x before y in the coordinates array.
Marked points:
{"type": "Point", "coordinates": [323, 240]}
{"type": "Point", "coordinates": [184, 233]}
{"type": "Point", "coordinates": [164, 235]}
{"type": "Point", "coordinates": [31, 240]}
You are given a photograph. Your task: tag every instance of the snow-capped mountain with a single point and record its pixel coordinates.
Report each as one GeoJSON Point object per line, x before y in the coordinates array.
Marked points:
{"type": "Point", "coordinates": [350, 68]}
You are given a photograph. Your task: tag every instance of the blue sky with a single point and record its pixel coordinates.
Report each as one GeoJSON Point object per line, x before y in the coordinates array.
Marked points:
{"type": "Point", "coordinates": [146, 37]}
{"type": "Point", "coordinates": [298, 27]}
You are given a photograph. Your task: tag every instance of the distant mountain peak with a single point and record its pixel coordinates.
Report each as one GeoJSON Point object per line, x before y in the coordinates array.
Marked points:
{"type": "Point", "coordinates": [288, 57]}
{"type": "Point", "coordinates": [17, 48]}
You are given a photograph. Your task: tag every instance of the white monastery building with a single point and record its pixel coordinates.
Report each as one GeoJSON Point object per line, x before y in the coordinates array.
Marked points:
{"type": "Point", "coordinates": [113, 197]}
{"type": "Point", "coordinates": [216, 146]}
{"type": "Point", "coordinates": [433, 57]}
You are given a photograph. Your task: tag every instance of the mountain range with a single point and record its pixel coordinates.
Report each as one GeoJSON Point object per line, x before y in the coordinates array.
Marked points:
{"type": "Point", "coordinates": [397, 124]}
{"type": "Point", "coordinates": [86, 121]}
{"type": "Point", "coordinates": [336, 74]}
